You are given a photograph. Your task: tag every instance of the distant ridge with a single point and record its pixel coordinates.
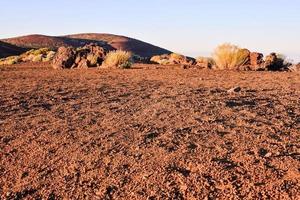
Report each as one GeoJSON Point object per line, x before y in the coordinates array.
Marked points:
{"type": "Point", "coordinates": [108, 41]}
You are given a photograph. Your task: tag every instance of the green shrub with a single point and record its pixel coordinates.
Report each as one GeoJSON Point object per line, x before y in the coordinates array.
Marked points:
{"type": "Point", "coordinates": [228, 56]}
{"type": "Point", "coordinates": [118, 59]}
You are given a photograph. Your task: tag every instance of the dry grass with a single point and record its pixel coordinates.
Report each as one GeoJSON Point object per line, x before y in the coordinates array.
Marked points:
{"type": "Point", "coordinates": [228, 56]}
{"type": "Point", "coordinates": [118, 59]}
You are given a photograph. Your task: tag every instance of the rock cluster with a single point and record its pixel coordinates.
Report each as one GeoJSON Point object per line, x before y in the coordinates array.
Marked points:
{"type": "Point", "coordinates": [272, 62]}
{"type": "Point", "coordinates": [172, 59]}
{"type": "Point", "coordinates": [34, 55]}
{"type": "Point", "coordinates": [90, 55]}
{"type": "Point", "coordinates": [252, 61]}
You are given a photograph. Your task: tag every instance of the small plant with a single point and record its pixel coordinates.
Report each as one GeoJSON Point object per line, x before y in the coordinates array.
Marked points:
{"type": "Point", "coordinates": [10, 60]}
{"type": "Point", "coordinates": [93, 60]}
{"type": "Point", "coordinates": [37, 58]}
{"type": "Point", "coordinates": [118, 59]}
{"type": "Point", "coordinates": [228, 56]}
{"type": "Point", "coordinates": [205, 62]}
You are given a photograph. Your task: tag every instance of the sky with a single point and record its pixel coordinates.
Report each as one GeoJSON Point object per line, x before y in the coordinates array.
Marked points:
{"type": "Point", "coordinates": [190, 27]}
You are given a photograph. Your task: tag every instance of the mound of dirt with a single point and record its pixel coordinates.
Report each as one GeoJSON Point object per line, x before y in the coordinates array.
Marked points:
{"type": "Point", "coordinates": [163, 133]}
{"type": "Point", "coordinates": [7, 50]}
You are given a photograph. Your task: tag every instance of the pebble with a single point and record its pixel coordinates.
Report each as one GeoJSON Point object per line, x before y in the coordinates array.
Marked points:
{"type": "Point", "coordinates": [234, 89]}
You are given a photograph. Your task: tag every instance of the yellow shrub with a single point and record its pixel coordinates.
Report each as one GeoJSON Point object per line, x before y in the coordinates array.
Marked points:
{"type": "Point", "coordinates": [37, 58]}
{"type": "Point", "coordinates": [118, 59]}
{"type": "Point", "coordinates": [10, 60]}
{"type": "Point", "coordinates": [176, 56]}
{"type": "Point", "coordinates": [228, 56]}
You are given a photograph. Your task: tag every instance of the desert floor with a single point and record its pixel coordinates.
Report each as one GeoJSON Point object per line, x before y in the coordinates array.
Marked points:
{"type": "Point", "coordinates": [148, 133]}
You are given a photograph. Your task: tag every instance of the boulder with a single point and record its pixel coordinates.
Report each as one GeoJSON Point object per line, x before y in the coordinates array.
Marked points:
{"type": "Point", "coordinates": [256, 60]}
{"type": "Point", "coordinates": [90, 55]}
{"type": "Point", "coordinates": [244, 54]}
{"type": "Point", "coordinates": [294, 68]}
{"type": "Point", "coordinates": [64, 58]}
{"type": "Point", "coordinates": [275, 62]}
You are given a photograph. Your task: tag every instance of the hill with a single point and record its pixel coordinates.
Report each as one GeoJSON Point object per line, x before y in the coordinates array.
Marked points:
{"type": "Point", "coordinates": [108, 41]}
{"type": "Point", "coordinates": [124, 43]}
{"type": "Point", "coordinates": [52, 42]}
{"type": "Point", "coordinates": [9, 50]}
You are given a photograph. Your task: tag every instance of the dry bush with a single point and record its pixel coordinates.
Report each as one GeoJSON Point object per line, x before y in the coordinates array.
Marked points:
{"type": "Point", "coordinates": [228, 56]}
{"type": "Point", "coordinates": [92, 59]}
{"type": "Point", "coordinates": [118, 59]}
{"type": "Point", "coordinates": [206, 62]}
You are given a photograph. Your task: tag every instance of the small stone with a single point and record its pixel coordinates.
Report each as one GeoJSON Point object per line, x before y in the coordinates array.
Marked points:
{"type": "Point", "coordinates": [268, 155]}
{"type": "Point", "coordinates": [184, 66]}
{"type": "Point", "coordinates": [234, 89]}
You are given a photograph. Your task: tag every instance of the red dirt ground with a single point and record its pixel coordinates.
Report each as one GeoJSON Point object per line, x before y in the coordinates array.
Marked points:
{"type": "Point", "coordinates": [148, 133]}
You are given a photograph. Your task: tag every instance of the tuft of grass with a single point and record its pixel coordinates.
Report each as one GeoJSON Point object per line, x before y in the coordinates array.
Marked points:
{"type": "Point", "coordinates": [118, 59]}
{"type": "Point", "coordinates": [228, 56]}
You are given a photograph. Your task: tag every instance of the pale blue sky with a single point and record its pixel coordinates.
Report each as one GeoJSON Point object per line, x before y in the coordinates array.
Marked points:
{"type": "Point", "coordinates": [191, 27]}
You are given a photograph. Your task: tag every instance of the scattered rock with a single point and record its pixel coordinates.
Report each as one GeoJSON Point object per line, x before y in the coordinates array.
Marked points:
{"type": "Point", "coordinates": [172, 59]}
{"type": "Point", "coordinates": [294, 68]}
{"type": "Point", "coordinates": [263, 152]}
{"type": "Point", "coordinates": [234, 89]}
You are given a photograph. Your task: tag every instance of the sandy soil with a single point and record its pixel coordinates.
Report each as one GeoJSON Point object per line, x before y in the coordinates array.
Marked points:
{"type": "Point", "coordinates": [148, 133]}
